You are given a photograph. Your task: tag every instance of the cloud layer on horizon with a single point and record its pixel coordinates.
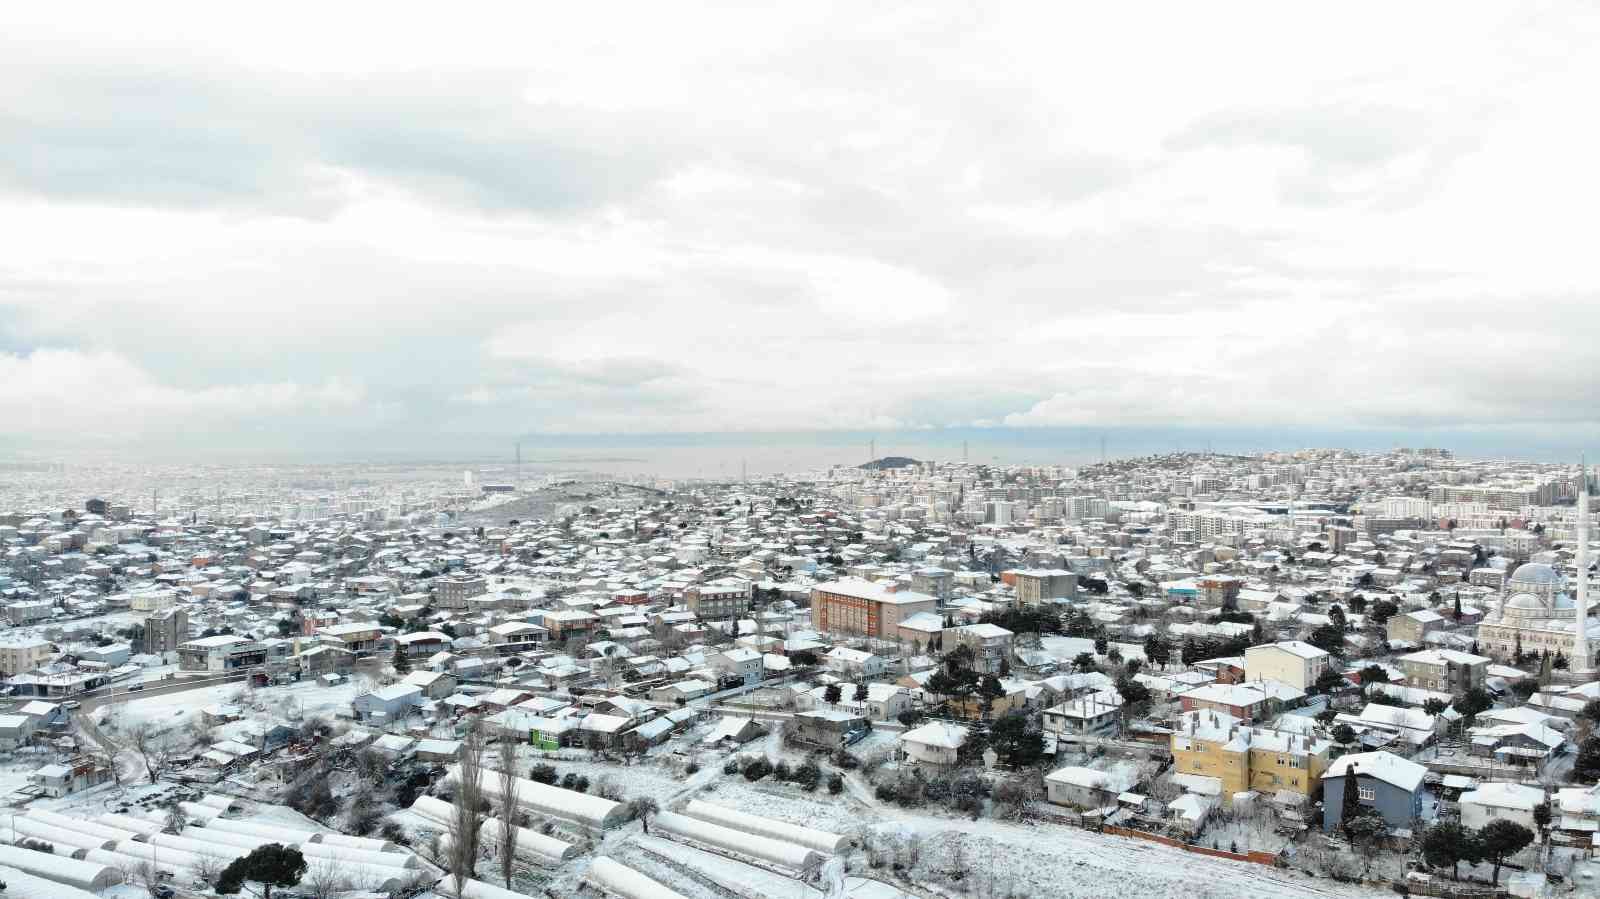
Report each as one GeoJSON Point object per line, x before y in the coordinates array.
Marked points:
{"type": "Point", "coordinates": [313, 224]}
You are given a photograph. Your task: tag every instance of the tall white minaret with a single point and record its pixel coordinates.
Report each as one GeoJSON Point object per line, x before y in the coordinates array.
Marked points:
{"type": "Point", "coordinates": [1580, 637]}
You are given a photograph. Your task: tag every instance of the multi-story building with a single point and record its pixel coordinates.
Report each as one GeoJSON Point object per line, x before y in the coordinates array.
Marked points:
{"type": "Point", "coordinates": [453, 592]}
{"type": "Point", "coordinates": [1292, 662]}
{"type": "Point", "coordinates": [164, 631]}
{"type": "Point", "coordinates": [1044, 585]}
{"type": "Point", "coordinates": [855, 606]}
{"type": "Point", "coordinates": [718, 602]}
{"type": "Point", "coordinates": [990, 645]}
{"type": "Point", "coordinates": [1414, 627]}
{"type": "Point", "coordinates": [1209, 743]}
{"type": "Point", "coordinates": [935, 582]}
{"type": "Point", "coordinates": [23, 652]}
{"type": "Point", "coordinates": [1445, 670]}
{"type": "Point", "coordinates": [30, 610]}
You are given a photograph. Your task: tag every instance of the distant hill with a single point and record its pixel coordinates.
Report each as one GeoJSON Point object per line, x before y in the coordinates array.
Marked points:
{"type": "Point", "coordinates": [889, 462]}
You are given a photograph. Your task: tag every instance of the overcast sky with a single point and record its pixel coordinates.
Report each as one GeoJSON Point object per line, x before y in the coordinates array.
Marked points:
{"type": "Point", "coordinates": [595, 218]}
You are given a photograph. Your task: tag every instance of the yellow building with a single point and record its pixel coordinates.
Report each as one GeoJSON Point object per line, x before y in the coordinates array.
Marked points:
{"type": "Point", "coordinates": [1280, 761]}
{"type": "Point", "coordinates": [1213, 744]}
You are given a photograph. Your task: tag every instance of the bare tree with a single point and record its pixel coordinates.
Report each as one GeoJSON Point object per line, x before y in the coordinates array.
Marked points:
{"type": "Point", "coordinates": [463, 853]}
{"type": "Point", "coordinates": [207, 868]}
{"type": "Point", "coordinates": [643, 808]}
{"type": "Point", "coordinates": [144, 875]}
{"type": "Point", "coordinates": [154, 748]}
{"type": "Point", "coordinates": [508, 809]}
{"type": "Point", "coordinates": [325, 880]}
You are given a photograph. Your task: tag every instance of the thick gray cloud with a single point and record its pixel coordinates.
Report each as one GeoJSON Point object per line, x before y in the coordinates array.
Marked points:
{"type": "Point", "coordinates": [822, 217]}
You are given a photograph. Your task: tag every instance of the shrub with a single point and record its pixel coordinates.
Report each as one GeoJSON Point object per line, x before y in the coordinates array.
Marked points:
{"type": "Point", "coordinates": [756, 769]}
{"type": "Point", "coordinates": [807, 775]}
{"type": "Point", "coordinates": [692, 768]}
{"type": "Point", "coordinates": [782, 773]}
{"type": "Point", "coordinates": [835, 784]}
{"type": "Point", "coordinates": [731, 767]}
{"type": "Point", "coordinates": [545, 774]}
{"type": "Point", "coordinates": [845, 760]}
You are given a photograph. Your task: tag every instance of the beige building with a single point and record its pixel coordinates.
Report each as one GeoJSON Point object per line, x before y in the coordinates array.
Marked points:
{"type": "Point", "coordinates": [856, 606]}
{"type": "Point", "coordinates": [1292, 662]}
{"type": "Point", "coordinates": [19, 653]}
{"type": "Point", "coordinates": [718, 602]}
{"type": "Point", "coordinates": [1445, 670]}
{"type": "Point", "coordinates": [1414, 627]}
{"type": "Point", "coordinates": [1037, 586]}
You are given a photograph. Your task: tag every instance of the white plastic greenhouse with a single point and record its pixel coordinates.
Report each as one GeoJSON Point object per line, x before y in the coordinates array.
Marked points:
{"type": "Point", "coordinates": [624, 882]}
{"type": "Point", "coordinates": [554, 802]}
{"type": "Point", "coordinates": [84, 875]}
{"type": "Point", "coordinates": [765, 849]}
{"type": "Point", "coordinates": [810, 837]}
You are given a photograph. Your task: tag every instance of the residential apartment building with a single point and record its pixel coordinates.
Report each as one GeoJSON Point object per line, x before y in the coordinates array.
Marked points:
{"type": "Point", "coordinates": [855, 606]}
{"type": "Point", "coordinates": [1293, 662]}
{"type": "Point", "coordinates": [453, 592]}
{"type": "Point", "coordinates": [1414, 627]}
{"type": "Point", "coordinates": [1217, 745]}
{"type": "Point", "coordinates": [1037, 586]}
{"type": "Point", "coordinates": [164, 631]}
{"type": "Point", "coordinates": [719, 602]}
{"type": "Point", "coordinates": [23, 652]}
{"type": "Point", "coordinates": [990, 644]}
{"type": "Point", "coordinates": [1445, 670]}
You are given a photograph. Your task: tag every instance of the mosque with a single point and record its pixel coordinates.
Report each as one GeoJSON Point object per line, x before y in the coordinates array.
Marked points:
{"type": "Point", "coordinates": [1536, 608]}
{"type": "Point", "coordinates": [1537, 614]}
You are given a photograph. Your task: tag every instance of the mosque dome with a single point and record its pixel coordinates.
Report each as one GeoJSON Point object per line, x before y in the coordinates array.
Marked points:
{"type": "Point", "coordinates": [1524, 602]}
{"type": "Point", "coordinates": [1535, 574]}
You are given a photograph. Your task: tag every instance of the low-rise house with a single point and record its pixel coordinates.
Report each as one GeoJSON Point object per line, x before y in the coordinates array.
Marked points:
{"type": "Point", "coordinates": [829, 728]}
{"type": "Point", "coordinates": [224, 652]}
{"type": "Point", "coordinates": [387, 703]}
{"type": "Point", "coordinates": [68, 778]}
{"type": "Point", "coordinates": [599, 731]}
{"type": "Point", "coordinates": [854, 664]}
{"type": "Point", "coordinates": [1524, 745]}
{"type": "Point", "coordinates": [1497, 801]}
{"type": "Point", "coordinates": [936, 744]}
{"type": "Point", "coordinates": [15, 731]}
{"type": "Point", "coordinates": [1097, 714]}
{"type": "Point", "coordinates": [433, 684]}
{"type": "Point", "coordinates": [741, 663]}
{"type": "Point", "coordinates": [1090, 788]}
{"type": "Point", "coordinates": [733, 730]}
{"type": "Point", "coordinates": [1246, 702]}
{"type": "Point", "coordinates": [1384, 781]}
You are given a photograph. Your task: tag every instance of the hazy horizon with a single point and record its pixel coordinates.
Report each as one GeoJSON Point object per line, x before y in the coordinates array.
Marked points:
{"type": "Point", "coordinates": [246, 235]}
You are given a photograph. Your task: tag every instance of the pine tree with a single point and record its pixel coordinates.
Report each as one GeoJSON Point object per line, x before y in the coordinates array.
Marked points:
{"type": "Point", "coordinates": [402, 662]}
{"type": "Point", "coordinates": [1351, 800]}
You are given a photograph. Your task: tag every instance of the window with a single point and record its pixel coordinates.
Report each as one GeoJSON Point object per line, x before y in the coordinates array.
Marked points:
{"type": "Point", "coordinates": [1367, 794]}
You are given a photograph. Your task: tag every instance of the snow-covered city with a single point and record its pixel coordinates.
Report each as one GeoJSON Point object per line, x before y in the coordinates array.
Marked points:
{"type": "Point", "coordinates": [1302, 673]}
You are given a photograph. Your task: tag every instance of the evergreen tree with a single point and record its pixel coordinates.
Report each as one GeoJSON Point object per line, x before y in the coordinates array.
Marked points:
{"type": "Point", "coordinates": [271, 865]}
{"type": "Point", "coordinates": [1350, 805]}
{"type": "Point", "coordinates": [402, 662]}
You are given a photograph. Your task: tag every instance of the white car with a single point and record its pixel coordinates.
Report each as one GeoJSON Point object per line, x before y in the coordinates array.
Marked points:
{"type": "Point", "coordinates": [72, 704]}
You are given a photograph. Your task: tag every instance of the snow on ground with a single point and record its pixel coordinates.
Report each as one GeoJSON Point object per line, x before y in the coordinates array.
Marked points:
{"type": "Point", "coordinates": [291, 702]}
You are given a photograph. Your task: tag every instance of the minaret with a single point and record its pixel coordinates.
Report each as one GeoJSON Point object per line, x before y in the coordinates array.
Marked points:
{"type": "Point", "coordinates": [1580, 636]}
